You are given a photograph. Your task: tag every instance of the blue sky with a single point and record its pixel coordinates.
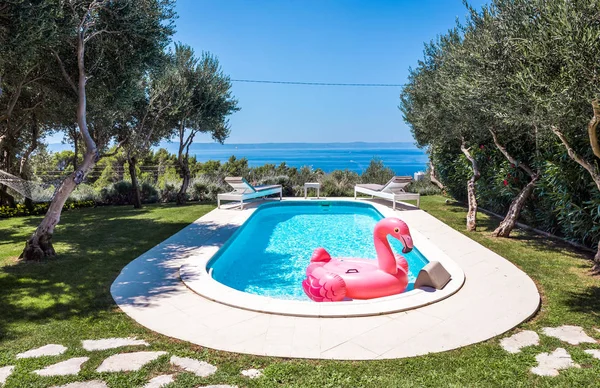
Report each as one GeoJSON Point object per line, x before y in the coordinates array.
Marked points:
{"type": "Point", "coordinates": [343, 41]}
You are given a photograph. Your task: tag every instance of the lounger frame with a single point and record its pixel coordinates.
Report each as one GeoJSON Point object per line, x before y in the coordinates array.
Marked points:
{"type": "Point", "coordinates": [247, 192]}
{"type": "Point", "coordinates": [394, 197]}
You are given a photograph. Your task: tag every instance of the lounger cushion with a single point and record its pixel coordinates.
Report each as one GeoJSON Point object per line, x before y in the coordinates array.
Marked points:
{"type": "Point", "coordinates": [266, 187]}
{"type": "Point", "coordinates": [371, 186]}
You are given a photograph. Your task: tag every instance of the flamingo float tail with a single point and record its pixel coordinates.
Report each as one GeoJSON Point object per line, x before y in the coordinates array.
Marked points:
{"type": "Point", "coordinates": [320, 255]}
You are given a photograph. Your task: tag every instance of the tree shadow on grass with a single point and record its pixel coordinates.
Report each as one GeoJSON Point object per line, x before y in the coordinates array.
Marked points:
{"type": "Point", "coordinates": [586, 301]}
{"type": "Point", "coordinates": [93, 247]}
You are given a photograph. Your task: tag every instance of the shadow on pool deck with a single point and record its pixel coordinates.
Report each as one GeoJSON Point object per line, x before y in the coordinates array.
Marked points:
{"type": "Point", "coordinates": [141, 284]}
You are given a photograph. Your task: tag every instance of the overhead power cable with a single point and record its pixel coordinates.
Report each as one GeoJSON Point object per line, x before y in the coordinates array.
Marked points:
{"type": "Point", "coordinates": [314, 83]}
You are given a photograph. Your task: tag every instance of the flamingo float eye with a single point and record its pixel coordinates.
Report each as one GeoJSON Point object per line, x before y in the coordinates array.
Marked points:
{"type": "Point", "coordinates": [396, 230]}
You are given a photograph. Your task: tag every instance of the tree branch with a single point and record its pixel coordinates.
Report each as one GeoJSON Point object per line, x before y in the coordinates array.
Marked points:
{"type": "Point", "coordinates": [96, 33]}
{"type": "Point", "coordinates": [577, 158]}
{"type": "Point", "coordinates": [64, 72]}
{"type": "Point", "coordinates": [467, 152]}
{"type": "Point", "coordinates": [116, 151]}
{"type": "Point", "coordinates": [593, 126]}
{"type": "Point", "coordinates": [514, 161]}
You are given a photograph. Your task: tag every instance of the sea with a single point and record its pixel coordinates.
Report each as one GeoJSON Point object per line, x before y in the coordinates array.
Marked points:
{"type": "Point", "coordinates": [403, 158]}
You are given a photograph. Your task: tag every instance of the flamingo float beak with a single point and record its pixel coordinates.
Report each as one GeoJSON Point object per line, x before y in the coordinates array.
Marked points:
{"type": "Point", "coordinates": [407, 242]}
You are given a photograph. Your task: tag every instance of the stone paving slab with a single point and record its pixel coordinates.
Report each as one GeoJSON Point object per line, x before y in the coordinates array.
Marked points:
{"type": "Point", "coordinates": [549, 364]}
{"type": "Point", "coordinates": [84, 384]}
{"type": "Point", "coordinates": [159, 381]}
{"type": "Point", "coordinates": [126, 362]}
{"type": "Point", "coordinates": [573, 335]}
{"type": "Point", "coordinates": [5, 373]}
{"type": "Point", "coordinates": [71, 366]}
{"type": "Point", "coordinates": [594, 353]}
{"type": "Point", "coordinates": [111, 343]}
{"type": "Point", "coordinates": [516, 342]}
{"type": "Point", "coordinates": [46, 350]}
{"type": "Point", "coordinates": [495, 297]}
{"type": "Point", "coordinates": [252, 373]}
{"type": "Point", "coordinates": [197, 367]}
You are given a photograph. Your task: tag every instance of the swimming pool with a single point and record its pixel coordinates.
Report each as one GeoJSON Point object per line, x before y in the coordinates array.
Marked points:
{"type": "Point", "coordinates": [269, 254]}
{"type": "Point", "coordinates": [252, 282]}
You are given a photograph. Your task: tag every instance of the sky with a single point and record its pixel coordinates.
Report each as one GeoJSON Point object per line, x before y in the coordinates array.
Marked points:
{"type": "Point", "coordinates": [333, 41]}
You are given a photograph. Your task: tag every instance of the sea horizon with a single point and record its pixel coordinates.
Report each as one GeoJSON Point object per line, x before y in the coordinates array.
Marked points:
{"type": "Point", "coordinates": [404, 158]}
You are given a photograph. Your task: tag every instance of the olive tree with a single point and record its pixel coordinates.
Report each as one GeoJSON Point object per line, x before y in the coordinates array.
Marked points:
{"type": "Point", "coordinates": [205, 109]}
{"type": "Point", "coordinates": [100, 48]}
{"type": "Point", "coordinates": [559, 74]}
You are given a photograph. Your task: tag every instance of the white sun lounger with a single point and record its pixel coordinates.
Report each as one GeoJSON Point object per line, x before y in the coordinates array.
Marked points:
{"type": "Point", "coordinates": [242, 190]}
{"type": "Point", "coordinates": [393, 190]}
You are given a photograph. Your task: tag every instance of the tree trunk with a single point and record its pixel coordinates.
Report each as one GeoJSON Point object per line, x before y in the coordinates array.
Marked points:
{"type": "Point", "coordinates": [5, 198]}
{"type": "Point", "coordinates": [514, 211]}
{"type": "Point", "coordinates": [75, 153]}
{"type": "Point", "coordinates": [597, 260]}
{"type": "Point", "coordinates": [39, 246]}
{"type": "Point", "coordinates": [512, 216]}
{"type": "Point", "coordinates": [135, 189]}
{"type": "Point", "coordinates": [471, 191]}
{"type": "Point", "coordinates": [433, 176]}
{"type": "Point", "coordinates": [185, 174]}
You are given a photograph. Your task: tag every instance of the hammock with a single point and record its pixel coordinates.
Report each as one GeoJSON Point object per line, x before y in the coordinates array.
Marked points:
{"type": "Point", "coordinates": [36, 191]}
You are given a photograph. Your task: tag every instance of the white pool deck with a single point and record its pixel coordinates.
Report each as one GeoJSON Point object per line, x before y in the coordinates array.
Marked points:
{"type": "Point", "coordinates": [496, 296]}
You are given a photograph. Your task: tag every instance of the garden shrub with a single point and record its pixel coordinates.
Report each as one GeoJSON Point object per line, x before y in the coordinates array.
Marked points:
{"type": "Point", "coordinates": [40, 208]}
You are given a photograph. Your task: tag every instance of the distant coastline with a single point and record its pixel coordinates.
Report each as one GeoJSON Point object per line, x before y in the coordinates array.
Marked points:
{"type": "Point", "coordinates": [403, 157]}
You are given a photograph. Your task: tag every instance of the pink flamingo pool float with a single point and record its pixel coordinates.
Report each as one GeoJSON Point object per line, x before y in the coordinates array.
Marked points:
{"type": "Point", "coordinates": [333, 279]}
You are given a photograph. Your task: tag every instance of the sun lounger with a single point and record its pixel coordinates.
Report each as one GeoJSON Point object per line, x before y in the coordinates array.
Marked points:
{"type": "Point", "coordinates": [242, 191]}
{"type": "Point", "coordinates": [393, 190]}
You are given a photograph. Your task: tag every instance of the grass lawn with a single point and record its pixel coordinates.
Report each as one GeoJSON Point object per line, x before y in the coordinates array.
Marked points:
{"type": "Point", "coordinates": [67, 299]}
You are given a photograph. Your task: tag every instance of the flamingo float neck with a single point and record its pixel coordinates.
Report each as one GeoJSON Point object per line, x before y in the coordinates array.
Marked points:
{"type": "Point", "coordinates": [385, 256]}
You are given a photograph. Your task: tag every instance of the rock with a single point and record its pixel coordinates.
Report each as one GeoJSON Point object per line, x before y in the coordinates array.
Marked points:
{"type": "Point", "coordinates": [5, 373]}
{"type": "Point", "coordinates": [252, 373]}
{"type": "Point", "coordinates": [199, 368]}
{"type": "Point", "coordinates": [573, 335]}
{"type": "Point", "coordinates": [85, 384]}
{"type": "Point", "coordinates": [594, 353]}
{"type": "Point", "coordinates": [112, 343]}
{"type": "Point", "coordinates": [159, 381]}
{"type": "Point", "coordinates": [516, 342]}
{"type": "Point", "coordinates": [46, 350]}
{"type": "Point", "coordinates": [71, 366]}
{"type": "Point", "coordinates": [128, 361]}
{"type": "Point", "coordinates": [550, 363]}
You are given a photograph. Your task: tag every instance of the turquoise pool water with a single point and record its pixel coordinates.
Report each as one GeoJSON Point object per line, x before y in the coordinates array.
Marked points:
{"type": "Point", "coordinates": [269, 254]}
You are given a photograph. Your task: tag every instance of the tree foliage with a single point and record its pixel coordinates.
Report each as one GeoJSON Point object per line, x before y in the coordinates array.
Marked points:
{"type": "Point", "coordinates": [521, 78]}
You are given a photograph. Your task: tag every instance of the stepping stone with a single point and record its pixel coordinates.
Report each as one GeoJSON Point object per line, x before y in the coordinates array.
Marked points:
{"type": "Point", "coordinates": [573, 335]}
{"type": "Point", "coordinates": [594, 352]}
{"type": "Point", "coordinates": [550, 363]}
{"type": "Point", "coordinates": [159, 381]}
{"type": "Point", "coordinates": [126, 362]}
{"type": "Point", "coordinates": [84, 384]}
{"type": "Point", "coordinates": [252, 373]}
{"type": "Point", "coordinates": [71, 366]}
{"type": "Point", "coordinates": [5, 372]}
{"type": "Point", "coordinates": [217, 386]}
{"type": "Point", "coordinates": [514, 343]}
{"type": "Point", "coordinates": [46, 350]}
{"type": "Point", "coordinates": [112, 343]}
{"type": "Point", "coordinates": [199, 368]}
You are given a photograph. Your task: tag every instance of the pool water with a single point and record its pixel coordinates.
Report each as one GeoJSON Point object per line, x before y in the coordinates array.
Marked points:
{"type": "Point", "coordinates": [269, 254]}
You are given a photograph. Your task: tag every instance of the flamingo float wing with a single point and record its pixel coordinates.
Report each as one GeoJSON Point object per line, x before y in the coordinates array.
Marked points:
{"type": "Point", "coordinates": [323, 286]}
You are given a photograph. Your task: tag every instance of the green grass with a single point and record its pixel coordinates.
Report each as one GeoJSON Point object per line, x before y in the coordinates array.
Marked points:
{"type": "Point", "coordinates": [67, 299]}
